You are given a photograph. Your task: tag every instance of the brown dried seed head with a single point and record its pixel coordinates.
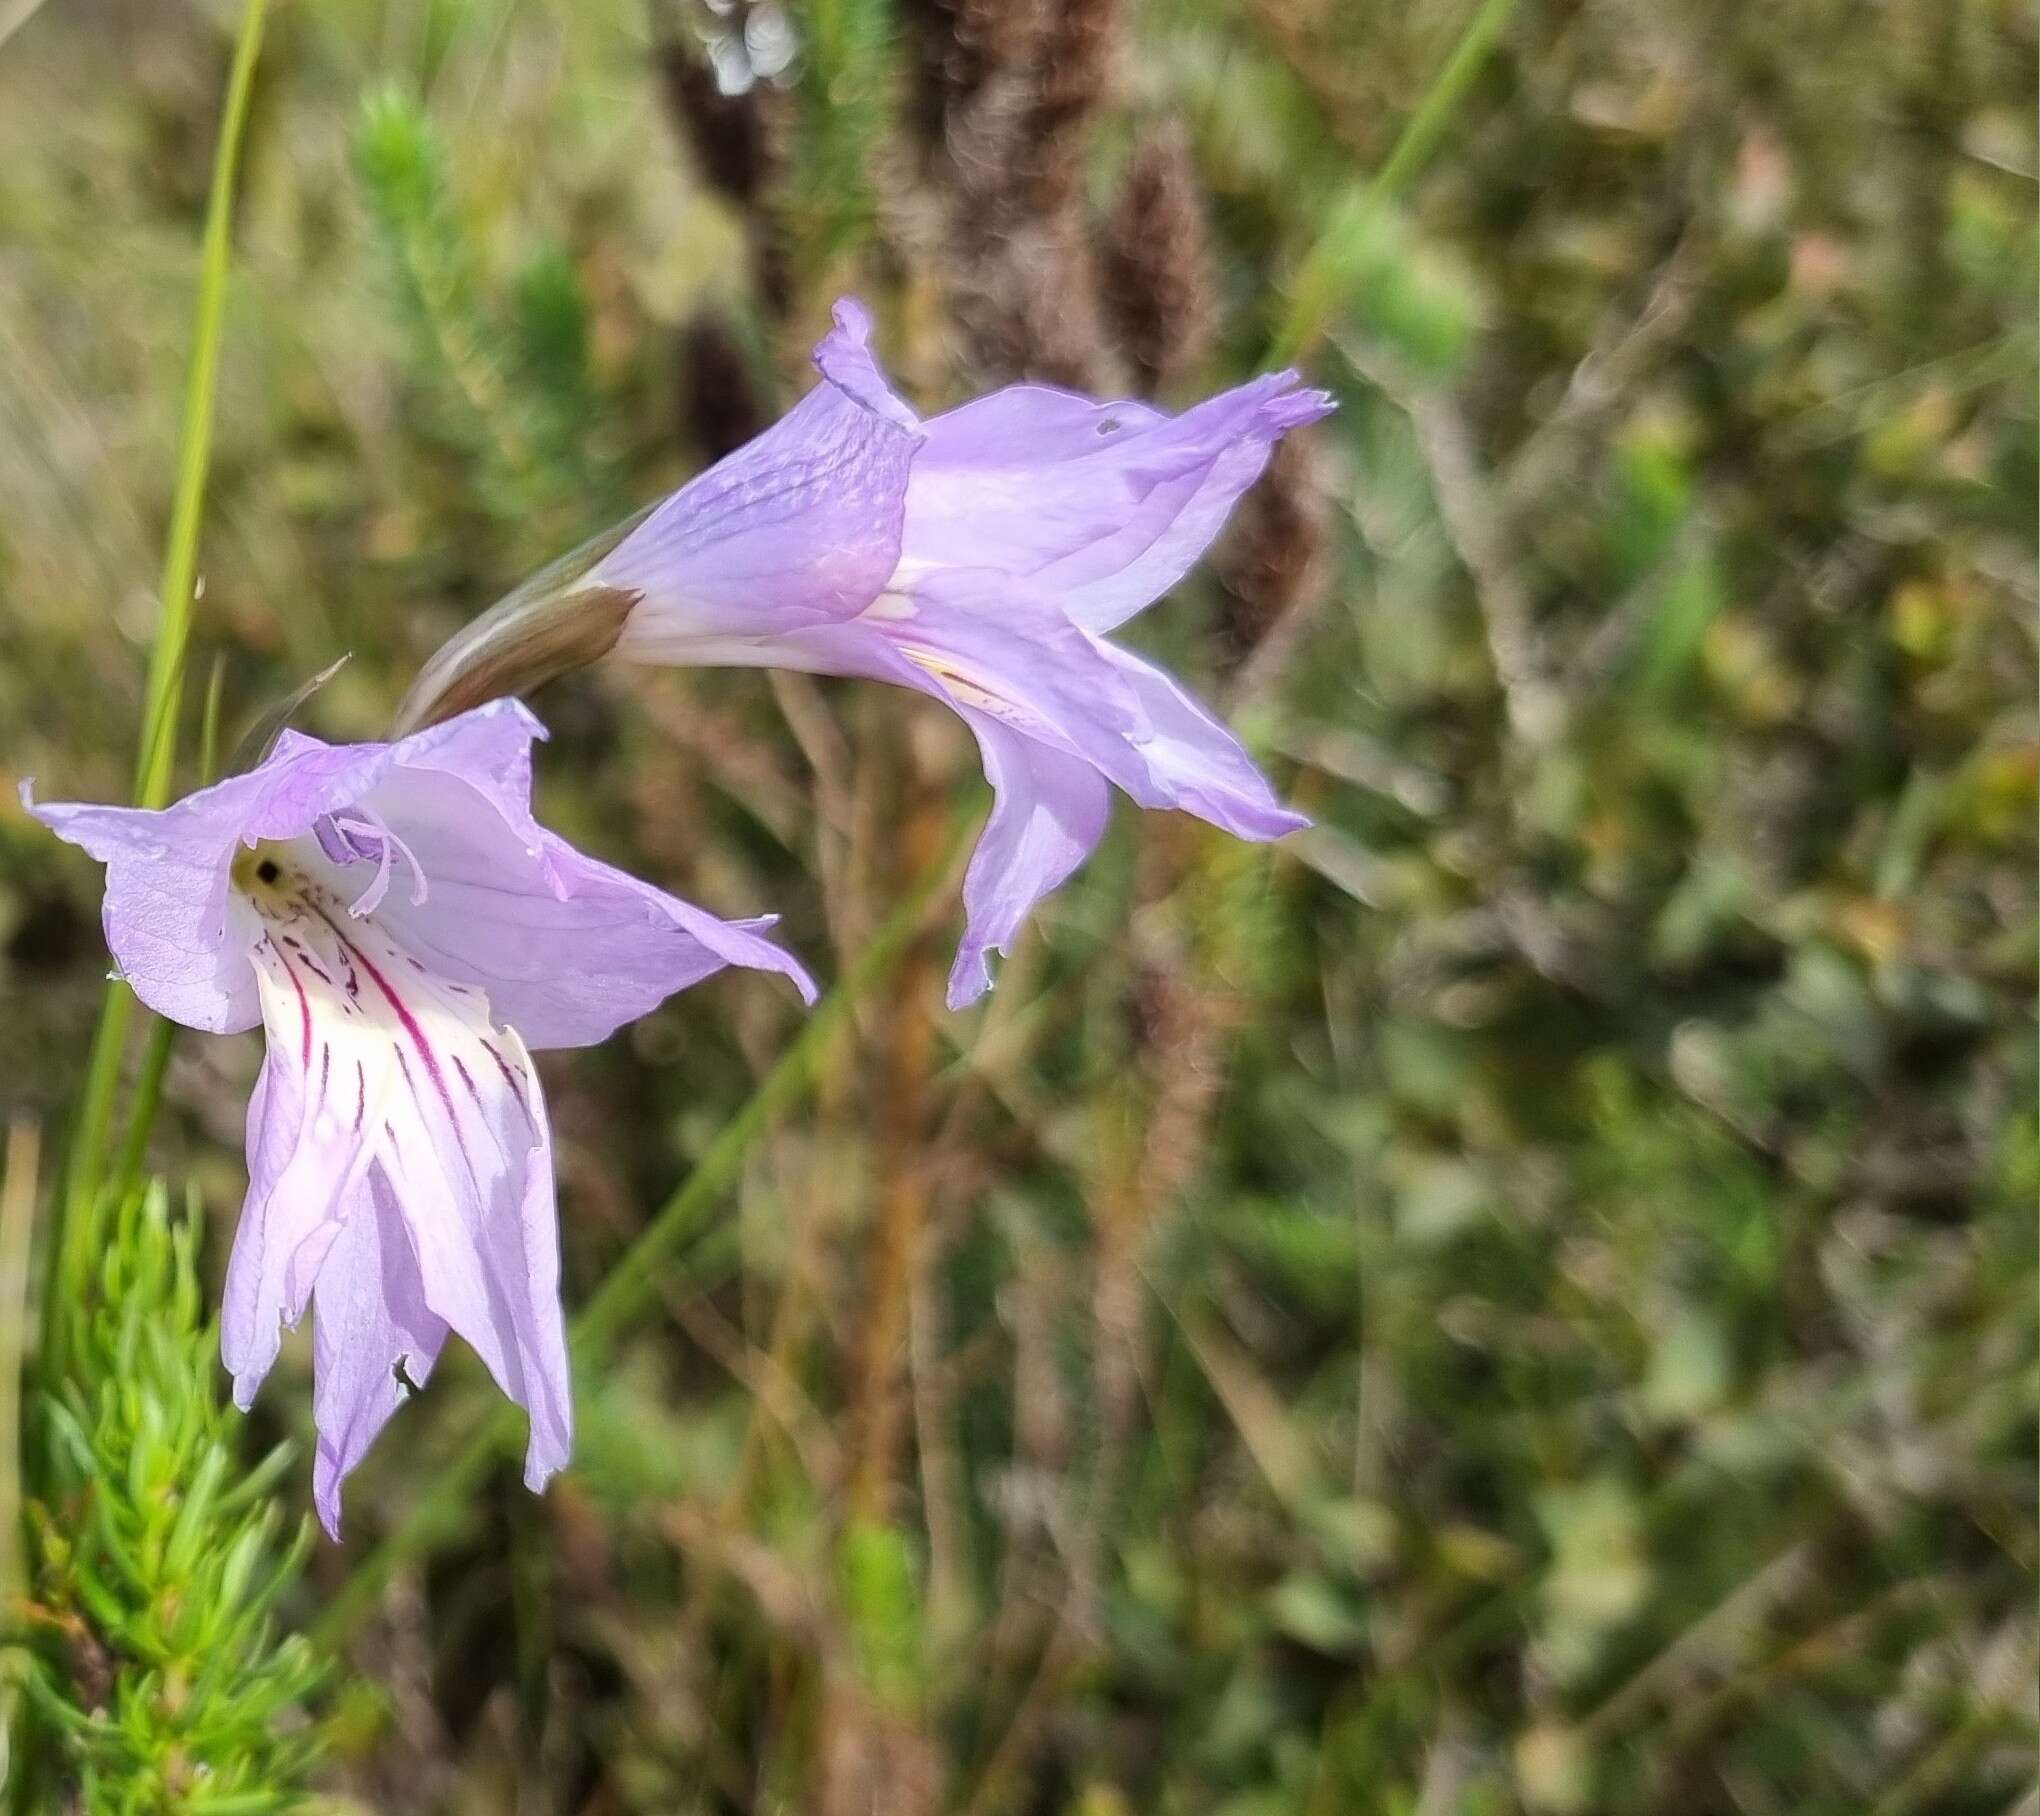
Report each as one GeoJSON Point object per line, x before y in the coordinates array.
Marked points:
{"type": "Point", "coordinates": [1158, 287]}
{"type": "Point", "coordinates": [1027, 303]}
{"type": "Point", "coordinates": [719, 405]}
{"type": "Point", "coordinates": [1273, 555]}
{"type": "Point", "coordinates": [960, 47]}
{"type": "Point", "coordinates": [1072, 78]}
{"type": "Point", "coordinates": [946, 69]}
{"type": "Point", "coordinates": [729, 136]}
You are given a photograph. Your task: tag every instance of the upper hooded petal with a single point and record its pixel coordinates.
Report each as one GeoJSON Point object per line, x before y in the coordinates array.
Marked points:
{"type": "Point", "coordinates": [800, 526]}
{"type": "Point", "coordinates": [166, 908]}
{"type": "Point", "coordinates": [1104, 505]}
{"type": "Point", "coordinates": [567, 947]}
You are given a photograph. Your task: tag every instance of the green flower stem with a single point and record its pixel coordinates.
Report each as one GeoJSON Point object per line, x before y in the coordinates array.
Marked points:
{"type": "Point", "coordinates": [633, 1282]}
{"type": "Point", "coordinates": [180, 555]}
{"type": "Point", "coordinates": [1315, 292]}
{"type": "Point", "coordinates": [147, 1096]}
{"type": "Point", "coordinates": [17, 1224]}
{"type": "Point", "coordinates": [71, 1240]}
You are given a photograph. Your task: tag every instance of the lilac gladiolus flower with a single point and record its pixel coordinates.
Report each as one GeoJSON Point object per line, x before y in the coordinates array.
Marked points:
{"type": "Point", "coordinates": [404, 931]}
{"type": "Point", "coordinates": [980, 557]}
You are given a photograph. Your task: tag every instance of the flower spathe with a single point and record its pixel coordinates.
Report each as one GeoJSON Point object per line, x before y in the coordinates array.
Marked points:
{"type": "Point", "coordinates": [980, 556]}
{"type": "Point", "coordinates": [405, 932]}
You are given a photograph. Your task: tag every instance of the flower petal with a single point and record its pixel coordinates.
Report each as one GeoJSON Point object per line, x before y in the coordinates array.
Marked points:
{"type": "Point", "coordinates": [1104, 505]}
{"type": "Point", "coordinates": [369, 1319]}
{"type": "Point", "coordinates": [568, 948]}
{"type": "Point", "coordinates": [467, 1155]}
{"type": "Point", "coordinates": [1048, 811]}
{"type": "Point", "coordinates": [987, 643]}
{"type": "Point", "coordinates": [385, 1077]}
{"type": "Point", "coordinates": [800, 526]}
{"type": "Point", "coordinates": [843, 356]}
{"type": "Point", "coordinates": [166, 909]}
{"type": "Point", "coordinates": [326, 1075]}
{"type": "Point", "coordinates": [1195, 764]}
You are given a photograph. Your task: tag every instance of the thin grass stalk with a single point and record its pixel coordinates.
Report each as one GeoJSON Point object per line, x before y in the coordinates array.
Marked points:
{"type": "Point", "coordinates": [1314, 292]}
{"type": "Point", "coordinates": [71, 1240]}
{"type": "Point", "coordinates": [18, 1182]}
{"type": "Point", "coordinates": [632, 1283]}
{"type": "Point", "coordinates": [155, 1066]}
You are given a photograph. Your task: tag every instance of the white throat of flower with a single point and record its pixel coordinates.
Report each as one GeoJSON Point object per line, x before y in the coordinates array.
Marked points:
{"type": "Point", "coordinates": [383, 1061]}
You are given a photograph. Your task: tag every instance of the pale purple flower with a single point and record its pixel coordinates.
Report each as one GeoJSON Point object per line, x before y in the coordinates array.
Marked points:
{"type": "Point", "coordinates": [981, 557]}
{"type": "Point", "coordinates": [404, 931]}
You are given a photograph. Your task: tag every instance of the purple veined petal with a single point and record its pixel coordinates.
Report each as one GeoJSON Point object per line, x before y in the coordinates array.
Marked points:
{"type": "Point", "coordinates": [843, 356]}
{"type": "Point", "coordinates": [415, 1088]}
{"type": "Point", "coordinates": [568, 948]}
{"type": "Point", "coordinates": [1104, 506]}
{"type": "Point", "coordinates": [800, 526]}
{"type": "Point", "coordinates": [466, 1152]}
{"type": "Point", "coordinates": [985, 642]}
{"type": "Point", "coordinates": [1048, 812]}
{"type": "Point", "coordinates": [166, 910]}
{"type": "Point", "coordinates": [1195, 764]}
{"type": "Point", "coordinates": [383, 1076]}
{"type": "Point", "coordinates": [369, 1317]}
{"type": "Point", "coordinates": [327, 1072]}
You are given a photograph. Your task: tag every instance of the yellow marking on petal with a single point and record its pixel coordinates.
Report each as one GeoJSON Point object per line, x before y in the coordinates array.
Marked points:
{"type": "Point", "coordinates": [266, 876]}
{"type": "Point", "coordinates": [967, 688]}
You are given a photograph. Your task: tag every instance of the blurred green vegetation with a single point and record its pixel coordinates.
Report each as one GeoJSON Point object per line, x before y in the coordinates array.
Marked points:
{"type": "Point", "coordinates": [1522, 1300]}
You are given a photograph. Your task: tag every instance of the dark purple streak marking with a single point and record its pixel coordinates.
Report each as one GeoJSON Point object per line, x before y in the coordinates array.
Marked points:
{"type": "Point", "coordinates": [304, 1006]}
{"type": "Point", "coordinates": [510, 1079]}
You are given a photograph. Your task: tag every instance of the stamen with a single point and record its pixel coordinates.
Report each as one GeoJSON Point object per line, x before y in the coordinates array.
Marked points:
{"type": "Point", "coordinates": [371, 898]}
{"type": "Point", "coordinates": [332, 841]}
{"type": "Point", "coordinates": [364, 833]}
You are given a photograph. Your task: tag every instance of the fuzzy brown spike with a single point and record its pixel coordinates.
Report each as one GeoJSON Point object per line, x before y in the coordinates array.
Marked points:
{"type": "Point", "coordinates": [1072, 78]}
{"type": "Point", "coordinates": [719, 405]}
{"type": "Point", "coordinates": [729, 136]}
{"type": "Point", "coordinates": [934, 54]}
{"type": "Point", "coordinates": [1027, 300]}
{"type": "Point", "coordinates": [1272, 558]}
{"type": "Point", "coordinates": [1020, 81]}
{"type": "Point", "coordinates": [961, 48]}
{"type": "Point", "coordinates": [1158, 286]}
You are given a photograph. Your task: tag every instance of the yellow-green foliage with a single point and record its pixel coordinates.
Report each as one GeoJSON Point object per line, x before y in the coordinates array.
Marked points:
{"type": "Point", "coordinates": [158, 1555]}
